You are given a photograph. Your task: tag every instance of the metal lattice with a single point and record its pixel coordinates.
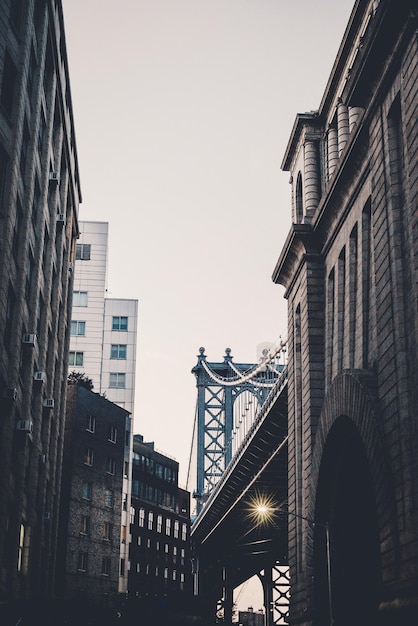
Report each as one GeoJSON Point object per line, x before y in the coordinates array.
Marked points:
{"type": "Point", "coordinates": [230, 396]}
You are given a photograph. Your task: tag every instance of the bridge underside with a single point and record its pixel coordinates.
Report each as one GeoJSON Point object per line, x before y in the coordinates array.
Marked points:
{"type": "Point", "coordinates": [230, 538]}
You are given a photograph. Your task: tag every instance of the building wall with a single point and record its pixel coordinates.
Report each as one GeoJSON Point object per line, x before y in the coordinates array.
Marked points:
{"type": "Point", "coordinates": [102, 322]}
{"type": "Point", "coordinates": [39, 195]}
{"type": "Point", "coordinates": [349, 266]}
{"type": "Point", "coordinates": [160, 528]}
{"type": "Point", "coordinates": [91, 531]}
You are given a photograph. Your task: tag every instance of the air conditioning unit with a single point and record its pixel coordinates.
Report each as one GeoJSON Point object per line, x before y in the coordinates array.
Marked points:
{"type": "Point", "coordinates": [54, 177]}
{"type": "Point", "coordinates": [10, 393]}
{"type": "Point", "coordinates": [39, 377]}
{"type": "Point", "coordinates": [61, 219]}
{"type": "Point", "coordinates": [29, 339]}
{"type": "Point", "coordinates": [25, 426]}
{"type": "Point", "coordinates": [48, 403]}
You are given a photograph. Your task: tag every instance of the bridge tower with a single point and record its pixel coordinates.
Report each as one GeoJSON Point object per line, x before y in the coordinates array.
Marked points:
{"type": "Point", "coordinates": [229, 396]}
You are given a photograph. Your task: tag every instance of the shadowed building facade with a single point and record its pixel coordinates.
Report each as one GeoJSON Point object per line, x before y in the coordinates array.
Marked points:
{"type": "Point", "coordinates": [349, 266]}
{"type": "Point", "coordinates": [39, 196]}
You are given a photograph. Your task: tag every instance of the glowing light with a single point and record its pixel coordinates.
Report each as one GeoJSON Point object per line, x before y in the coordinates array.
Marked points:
{"type": "Point", "coordinates": [261, 510]}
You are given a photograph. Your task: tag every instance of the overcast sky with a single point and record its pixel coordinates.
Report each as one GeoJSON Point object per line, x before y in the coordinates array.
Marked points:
{"type": "Point", "coordinates": [183, 110]}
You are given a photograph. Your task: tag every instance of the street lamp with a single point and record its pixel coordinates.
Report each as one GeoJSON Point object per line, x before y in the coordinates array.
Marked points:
{"type": "Point", "coordinates": [262, 511]}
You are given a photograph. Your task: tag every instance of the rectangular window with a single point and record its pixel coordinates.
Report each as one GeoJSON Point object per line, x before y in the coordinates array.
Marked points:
{"type": "Point", "coordinates": [113, 434]}
{"type": "Point", "coordinates": [184, 532]}
{"type": "Point", "coordinates": [82, 252]}
{"type": "Point", "coordinates": [160, 524]}
{"type": "Point", "coordinates": [91, 423]}
{"type": "Point", "coordinates": [150, 520]}
{"type": "Point", "coordinates": [82, 561]}
{"type": "Point", "coordinates": [117, 380]}
{"type": "Point", "coordinates": [75, 359]}
{"type": "Point", "coordinates": [78, 329]}
{"type": "Point", "coordinates": [86, 491]}
{"type": "Point", "coordinates": [106, 566]}
{"type": "Point", "coordinates": [168, 527]}
{"type": "Point", "coordinates": [123, 534]}
{"type": "Point", "coordinates": [118, 351]}
{"type": "Point", "coordinates": [141, 519]}
{"type": "Point", "coordinates": [111, 466]}
{"type": "Point", "coordinates": [176, 529]}
{"type": "Point", "coordinates": [88, 456]}
{"type": "Point", "coordinates": [107, 531]}
{"type": "Point", "coordinates": [108, 498]}
{"type": "Point", "coordinates": [119, 323]}
{"type": "Point", "coordinates": [138, 568]}
{"type": "Point", "coordinates": [80, 298]}
{"type": "Point", "coordinates": [85, 525]}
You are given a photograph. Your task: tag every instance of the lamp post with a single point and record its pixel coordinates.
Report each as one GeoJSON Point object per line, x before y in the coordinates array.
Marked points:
{"type": "Point", "coordinates": [263, 511]}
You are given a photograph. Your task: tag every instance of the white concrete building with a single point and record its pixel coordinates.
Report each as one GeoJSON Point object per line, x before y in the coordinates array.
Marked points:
{"type": "Point", "coordinates": [103, 330]}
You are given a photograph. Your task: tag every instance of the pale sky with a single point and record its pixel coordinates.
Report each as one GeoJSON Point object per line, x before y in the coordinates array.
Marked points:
{"type": "Point", "coordinates": [183, 110]}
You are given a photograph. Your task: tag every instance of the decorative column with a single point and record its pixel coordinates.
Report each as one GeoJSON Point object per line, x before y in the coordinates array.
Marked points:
{"type": "Point", "coordinates": [353, 115]}
{"type": "Point", "coordinates": [311, 182]}
{"type": "Point", "coordinates": [343, 125]}
{"type": "Point", "coordinates": [332, 150]}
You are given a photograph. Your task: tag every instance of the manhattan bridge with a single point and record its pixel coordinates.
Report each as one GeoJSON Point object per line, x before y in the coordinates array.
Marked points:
{"type": "Point", "coordinates": [240, 445]}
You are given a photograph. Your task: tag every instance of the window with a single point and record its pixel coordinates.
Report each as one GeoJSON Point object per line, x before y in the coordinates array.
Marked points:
{"type": "Point", "coordinates": [168, 527]}
{"type": "Point", "coordinates": [78, 328]}
{"type": "Point", "coordinates": [119, 323]}
{"type": "Point", "coordinates": [123, 534]}
{"type": "Point", "coordinates": [150, 520]}
{"type": "Point", "coordinates": [117, 380]}
{"type": "Point", "coordinates": [141, 519]}
{"type": "Point", "coordinates": [160, 524]}
{"type": "Point", "coordinates": [21, 547]}
{"type": "Point", "coordinates": [184, 532]}
{"type": "Point", "coordinates": [108, 498]}
{"type": "Point", "coordinates": [111, 465]}
{"type": "Point", "coordinates": [166, 573]}
{"type": "Point", "coordinates": [86, 491]}
{"type": "Point", "coordinates": [107, 531]}
{"type": "Point", "coordinates": [91, 423]}
{"type": "Point", "coordinates": [75, 359]}
{"type": "Point", "coordinates": [88, 456]}
{"type": "Point", "coordinates": [85, 525]}
{"type": "Point", "coordinates": [166, 548]}
{"type": "Point", "coordinates": [112, 434]}
{"type": "Point", "coordinates": [82, 252]}
{"type": "Point", "coordinates": [118, 351]}
{"type": "Point", "coordinates": [138, 568]}
{"type": "Point", "coordinates": [80, 298]}
{"type": "Point", "coordinates": [176, 529]}
{"type": "Point", "coordinates": [106, 566]}
{"type": "Point", "coordinates": [82, 561]}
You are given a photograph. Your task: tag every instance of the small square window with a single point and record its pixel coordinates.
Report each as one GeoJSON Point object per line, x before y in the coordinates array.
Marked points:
{"type": "Point", "coordinates": [82, 251]}
{"type": "Point", "coordinates": [111, 466]}
{"type": "Point", "coordinates": [106, 566]}
{"type": "Point", "coordinates": [119, 323]}
{"type": "Point", "coordinates": [118, 351]}
{"type": "Point", "coordinates": [117, 380]}
{"type": "Point", "coordinates": [78, 329]}
{"type": "Point", "coordinates": [75, 359]}
{"type": "Point", "coordinates": [85, 525]}
{"type": "Point", "coordinates": [113, 434]}
{"type": "Point", "coordinates": [80, 298]}
{"type": "Point", "coordinates": [91, 423]}
{"type": "Point", "coordinates": [82, 561]}
{"type": "Point", "coordinates": [108, 498]}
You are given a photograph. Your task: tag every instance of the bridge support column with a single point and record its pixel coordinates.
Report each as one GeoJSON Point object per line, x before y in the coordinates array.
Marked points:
{"type": "Point", "coordinates": [228, 597]}
{"type": "Point", "coordinates": [276, 592]}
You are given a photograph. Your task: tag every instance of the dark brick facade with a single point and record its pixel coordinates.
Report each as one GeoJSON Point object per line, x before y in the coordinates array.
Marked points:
{"type": "Point", "coordinates": [39, 199]}
{"type": "Point", "coordinates": [92, 509]}
{"type": "Point", "coordinates": [349, 266]}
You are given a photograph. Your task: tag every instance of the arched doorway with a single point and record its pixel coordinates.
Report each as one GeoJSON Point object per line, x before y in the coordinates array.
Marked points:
{"type": "Point", "coordinates": [346, 507]}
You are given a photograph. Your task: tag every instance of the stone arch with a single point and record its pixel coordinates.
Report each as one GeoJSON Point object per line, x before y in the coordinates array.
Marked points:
{"type": "Point", "coordinates": [351, 495]}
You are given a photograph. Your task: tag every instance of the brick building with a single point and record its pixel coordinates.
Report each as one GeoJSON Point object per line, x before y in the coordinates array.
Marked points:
{"type": "Point", "coordinates": [39, 196]}
{"type": "Point", "coordinates": [349, 266]}
{"type": "Point", "coordinates": [160, 528]}
{"type": "Point", "coordinates": [93, 520]}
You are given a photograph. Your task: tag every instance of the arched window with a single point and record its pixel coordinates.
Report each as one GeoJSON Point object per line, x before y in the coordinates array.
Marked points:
{"type": "Point", "coordinates": [299, 199]}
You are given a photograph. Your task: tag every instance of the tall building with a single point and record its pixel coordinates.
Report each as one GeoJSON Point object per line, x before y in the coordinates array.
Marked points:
{"type": "Point", "coordinates": [103, 330]}
{"type": "Point", "coordinates": [160, 529]}
{"type": "Point", "coordinates": [39, 195]}
{"type": "Point", "coordinates": [94, 510]}
{"type": "Point", "coordinates": [350, 267]}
